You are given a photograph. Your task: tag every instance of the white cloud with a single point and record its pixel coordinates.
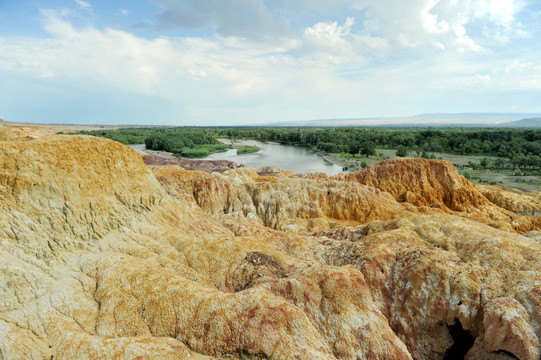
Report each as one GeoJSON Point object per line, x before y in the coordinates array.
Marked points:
{"type": "Point", "coordinates": [238, 18]}
{"type": "Point", "coordinates": [124, 11]}
{"type": "Point", "coordinates": [88, 57]}
{"type": "Point", "coordinates": [437, 24]}
{"type": "Point", "coordinates": [183, 69]}
{"type": "Point", "coordinates": [502, 11]}
{"type": "Point", "coordinates": [56, 25]}
{"type": "Point", "coordinates": [477, 80]}
{"type": "Point", "coordinates": [330, 37]}
{"type": "Point", "coordinates": [421, 57]}
{"type": "Point", "coordinates": [520, 67]}
{"type": "Point", "coordinates": [83, 4]}
{"type": "Point", "coordinates": [201, 76]}
{"type": "Point", "coordinates": [522, 75]}
{"type": "Point", "coordinates": [382, 25]}
{"type": "Point", "coordinates": [339, 44]}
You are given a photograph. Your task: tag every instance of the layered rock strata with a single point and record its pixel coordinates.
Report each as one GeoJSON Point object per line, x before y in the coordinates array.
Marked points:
{"type": "Point", "coordinates": [103, 258]}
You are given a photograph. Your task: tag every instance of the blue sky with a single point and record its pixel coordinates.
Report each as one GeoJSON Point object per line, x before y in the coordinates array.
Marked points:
{"type": "Point", "coordinates": [230, 62]}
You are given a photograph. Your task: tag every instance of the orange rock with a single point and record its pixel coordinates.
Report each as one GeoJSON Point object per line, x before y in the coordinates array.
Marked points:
{"type": "Point", "coordinates": [421, 182]}
{"type": "Point", "coordinates": [520, 204]}
{"type": "Point", "coordinates": [436, 183]}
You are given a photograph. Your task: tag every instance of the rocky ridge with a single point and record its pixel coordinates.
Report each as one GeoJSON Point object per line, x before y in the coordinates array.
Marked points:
{"type": "Point", "coordinates": [104, 257]}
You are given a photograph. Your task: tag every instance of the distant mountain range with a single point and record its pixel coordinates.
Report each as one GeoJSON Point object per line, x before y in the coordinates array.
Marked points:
{"type": "Point", "coordinates": [466, 120]}
{"type": "Point", "coordinates": [524, 123]}
{"type": "Point", "coordinates": [498, 120]}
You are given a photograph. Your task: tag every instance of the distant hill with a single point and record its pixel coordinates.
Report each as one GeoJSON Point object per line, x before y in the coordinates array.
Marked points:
{"type": "Point", "coordinates": [524, 123]}
{"type": "Point", "coordinates": [424, 120]}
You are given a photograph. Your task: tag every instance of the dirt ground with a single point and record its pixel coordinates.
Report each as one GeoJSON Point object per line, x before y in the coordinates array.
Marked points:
{"type": "Point", "coordinates": [40, 130]}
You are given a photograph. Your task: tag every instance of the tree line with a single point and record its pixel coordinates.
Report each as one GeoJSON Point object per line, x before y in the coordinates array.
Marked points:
{"type": "Point", "coordinates": [179, 141]}
{"type": "Point", "coordinates": [520, 147]}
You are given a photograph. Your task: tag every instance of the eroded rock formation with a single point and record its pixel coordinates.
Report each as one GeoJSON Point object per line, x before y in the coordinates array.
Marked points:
{"type": "Point", "coordinates": [520, 204]}
{"type": "Point", "coordinates": [103, 257]}
{"type": "Point", "coordinates": [437, 184]}
{"type": "Point", "coordinates": [209, 166]}
{"type": "Point", "coordinates": [284, 202]}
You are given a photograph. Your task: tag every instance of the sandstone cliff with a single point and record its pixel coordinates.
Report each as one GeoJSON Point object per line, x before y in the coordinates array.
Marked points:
{"type": "Point", "coordinates": [437, 184]}
{"type": "Point", "coordinates": [421, 182]}
{"type": "Point", "coordinates": [100, 257]}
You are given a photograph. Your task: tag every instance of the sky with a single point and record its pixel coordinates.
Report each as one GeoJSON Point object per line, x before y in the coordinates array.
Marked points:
{"type": "Point", "coordinates": [248, 62]}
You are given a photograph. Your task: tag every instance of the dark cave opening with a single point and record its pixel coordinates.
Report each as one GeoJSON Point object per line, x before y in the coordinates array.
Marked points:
{"type": "Point", "coordinates": [462, 342]}
{"type": "Point", "coordinates": [507, 353]}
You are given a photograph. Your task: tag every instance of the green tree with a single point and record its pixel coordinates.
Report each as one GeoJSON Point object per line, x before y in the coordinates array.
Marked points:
{"type": "Point", "coordinates": [402, 151]}
{"type": "Point", "coordinates": [354, 148]}
{"type": "Point", "coordinates": [368, 148]}
{"type": "Point", "coordinates": [484, 163]}
{"type": "Point", "coordinates": [499, 163]}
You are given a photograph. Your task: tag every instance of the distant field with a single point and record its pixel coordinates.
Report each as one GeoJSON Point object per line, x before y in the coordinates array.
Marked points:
{"type": "Point", "coordinates": [527, 182]}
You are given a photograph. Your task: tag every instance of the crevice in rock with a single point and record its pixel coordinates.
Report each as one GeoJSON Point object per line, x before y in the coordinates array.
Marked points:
{"type": "Point", "coordinates": [256, 265]}
{"type": "Point", "coordinates": [506, 353]}
{"type": "Point", "coordinates": [462, 342]}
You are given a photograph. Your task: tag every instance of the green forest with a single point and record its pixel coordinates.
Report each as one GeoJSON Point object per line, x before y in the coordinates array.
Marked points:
{"type": "Point", "coordinates": [185, 142]}
{"type": "Point", "coordinates": [511, 148]}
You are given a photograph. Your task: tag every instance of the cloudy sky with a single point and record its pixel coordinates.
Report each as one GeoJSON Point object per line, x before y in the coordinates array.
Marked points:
{"type": "Point", "coordinates": [227, 62]}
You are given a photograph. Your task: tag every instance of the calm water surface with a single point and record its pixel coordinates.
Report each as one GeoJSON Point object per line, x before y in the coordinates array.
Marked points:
{"type": "Point", "coordinates": [294, 158]}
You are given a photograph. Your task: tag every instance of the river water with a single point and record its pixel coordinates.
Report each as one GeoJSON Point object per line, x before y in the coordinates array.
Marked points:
{"type": "Point", "coordinates": [294, 158]}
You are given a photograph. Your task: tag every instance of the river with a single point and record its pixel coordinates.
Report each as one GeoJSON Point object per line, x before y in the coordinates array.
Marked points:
{"type": "Point", "coordinates": [294, 158]}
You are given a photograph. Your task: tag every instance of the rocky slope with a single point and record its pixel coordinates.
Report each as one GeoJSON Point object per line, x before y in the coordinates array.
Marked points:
{"type": "Point", "coordinates": [209, 166]}
{"type": "Point", "coordinates": [437, 184]}
{"type": "Point", "coordinates": [520, 204]}
{"type": "Point", "coordinates": [103, 257]}
{"type": "Point", "coordinates": [284, 202]}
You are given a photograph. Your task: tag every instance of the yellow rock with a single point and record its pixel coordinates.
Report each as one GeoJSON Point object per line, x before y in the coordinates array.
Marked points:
{"type": "Point", "coordinates": [104, 257]}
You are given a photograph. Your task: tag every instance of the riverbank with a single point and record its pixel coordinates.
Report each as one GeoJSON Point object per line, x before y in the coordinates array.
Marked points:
{"type": "Point", "coordinates": [347, 165]}
{"type": "Point", "coordinates": [298, 159]}
{"type": "Point", "coordinates": [141, 149]}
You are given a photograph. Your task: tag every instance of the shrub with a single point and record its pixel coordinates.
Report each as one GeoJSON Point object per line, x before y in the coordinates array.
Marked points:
{"type": "Point", "coordinates": [402, 151]}
{"type": "Point", "coordinates": [195, 153]}
{"type": "Point", "coordinates": [247, 149]}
